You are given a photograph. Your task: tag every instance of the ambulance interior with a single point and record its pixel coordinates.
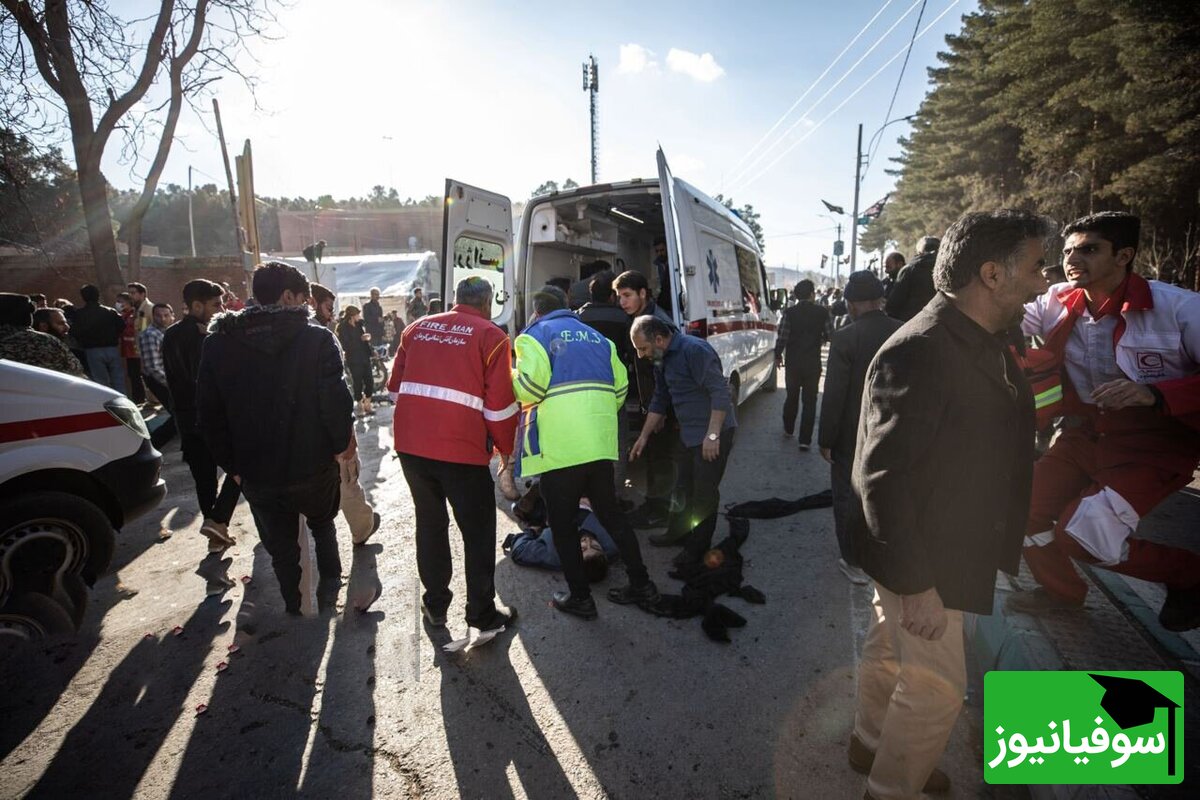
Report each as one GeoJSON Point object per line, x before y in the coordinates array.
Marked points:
{"type": "Point", "coordinates": [566, 237]}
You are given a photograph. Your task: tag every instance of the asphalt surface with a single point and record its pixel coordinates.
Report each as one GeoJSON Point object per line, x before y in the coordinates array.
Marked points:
{"type": "Point", "coordinates": [368, 705]}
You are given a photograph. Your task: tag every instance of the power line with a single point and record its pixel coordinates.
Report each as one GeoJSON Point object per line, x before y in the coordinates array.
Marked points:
{"type": "Point", "coordinates": [812, 86]}
{"type": "Point", "coordinates": [783, 136]}
{"type": "Point", "coordinates": [896, 91]}
{"type": "Point", "coordinates": [745, 184]}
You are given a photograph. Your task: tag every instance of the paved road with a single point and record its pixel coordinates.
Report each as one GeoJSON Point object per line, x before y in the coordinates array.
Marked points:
{"type": "Point", "coordinates": [629, 706]}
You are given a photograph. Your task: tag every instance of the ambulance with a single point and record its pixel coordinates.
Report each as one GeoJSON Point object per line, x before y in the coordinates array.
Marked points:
{"type": "Point", "coordinates": [76, 464]}
{"type": "Point", "coordinates": [716, 270]}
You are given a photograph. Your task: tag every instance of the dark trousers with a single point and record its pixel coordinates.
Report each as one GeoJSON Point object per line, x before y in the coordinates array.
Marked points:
{"type": "Point", "coordinates": [469, 490]}
{"type": "Point", "coordinates": [701, 480]}
{"type": "Point", "coordinates": [277, 511]}
{"type": "Point", "coordinates": [133, 371]}
{"type": "Point", "coordinates": [213, 505]}
{"type": "Point", "coordinates": [802, 378]}
{"type": "Point", "coordinates": [841, 472]}
{"type": "Point", "coordinates": [664, 492]}
{"type": "Point", "coordinates": [166, 431]}
{"type": "Point", "coordinates": [562, 490]}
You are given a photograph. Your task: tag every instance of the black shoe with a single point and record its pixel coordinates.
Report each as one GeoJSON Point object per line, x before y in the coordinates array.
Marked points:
{"type": "Point", "coordinates": [804, 448]}
{"type": "Point", "coordinates": [1038, 601]}
{"type": "Point", "coordinates": [327, 594]}
{"type": "Point", "coordinates": [1181, 611]}
{"type": "Point", "coordinates": [644, 595]}
{"type": "Point", "coordinates": [582, 607]}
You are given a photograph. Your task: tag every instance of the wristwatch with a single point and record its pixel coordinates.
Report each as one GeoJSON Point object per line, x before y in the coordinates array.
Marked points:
{"type": "Point", "coordinates": [712, 437]}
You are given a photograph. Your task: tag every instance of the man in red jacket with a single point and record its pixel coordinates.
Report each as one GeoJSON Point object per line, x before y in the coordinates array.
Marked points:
{"type": "Point", "coordinates": [454, 405]}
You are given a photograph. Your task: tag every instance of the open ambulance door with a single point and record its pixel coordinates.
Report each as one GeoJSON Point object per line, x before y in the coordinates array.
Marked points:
{"type": "Point", "coordinates": [666, 185]}
{"type": "Point", "coordinates": [477, 241]}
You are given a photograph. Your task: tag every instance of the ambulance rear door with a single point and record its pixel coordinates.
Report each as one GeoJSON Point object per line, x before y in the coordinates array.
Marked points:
{"type": "Point", "coordinates": [477, 241]}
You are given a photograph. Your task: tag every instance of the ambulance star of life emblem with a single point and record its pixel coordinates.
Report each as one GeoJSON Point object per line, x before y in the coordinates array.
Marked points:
{"type": "Point", "coordinates": [714, 278]}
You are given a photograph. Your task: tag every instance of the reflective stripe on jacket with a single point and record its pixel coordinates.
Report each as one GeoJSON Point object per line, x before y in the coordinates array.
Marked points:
{"type": "Point", "coordinates": [454, 398]}
{"type": "Point", "coordinates": [571, 386]}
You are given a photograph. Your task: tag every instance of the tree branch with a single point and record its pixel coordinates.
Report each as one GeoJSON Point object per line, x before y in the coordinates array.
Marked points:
{"type": "Point", "coordinates": [154, 56]}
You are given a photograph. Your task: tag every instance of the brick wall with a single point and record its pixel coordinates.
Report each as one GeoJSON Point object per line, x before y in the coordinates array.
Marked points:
{"type": "Point", "coordinates": [164, 278]}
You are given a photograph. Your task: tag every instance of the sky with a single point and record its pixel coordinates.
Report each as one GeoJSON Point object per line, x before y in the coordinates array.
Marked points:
{"type": "Point", "coordinates": [759, 101]}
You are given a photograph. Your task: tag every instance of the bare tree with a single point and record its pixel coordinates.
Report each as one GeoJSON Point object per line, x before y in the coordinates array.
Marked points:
{"type": "Point", "coordinates": [80, 63]}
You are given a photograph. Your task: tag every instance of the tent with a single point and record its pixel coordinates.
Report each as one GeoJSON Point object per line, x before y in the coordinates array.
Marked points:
{"type": "Point", "coordinates": [351, 278]}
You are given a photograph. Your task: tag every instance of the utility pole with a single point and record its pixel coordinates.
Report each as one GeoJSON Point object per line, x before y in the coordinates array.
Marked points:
{"type": "Point", "coordinates": [858, 162]}
{"type": "Point", "coordinates": [591, 85]}
{"type": "Point", "coordinates": [837, 256]}
{"type": "Point", "coordinates": [237, 226]}
{"type": "Point", "coordinates": [191, 221]}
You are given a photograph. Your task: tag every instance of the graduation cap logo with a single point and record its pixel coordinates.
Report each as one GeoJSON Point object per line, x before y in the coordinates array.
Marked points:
{"type": "Point", "coordinates": [1132, 702]}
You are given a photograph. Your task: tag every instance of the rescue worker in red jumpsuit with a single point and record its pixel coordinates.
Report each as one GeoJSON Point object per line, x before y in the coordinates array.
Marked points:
{"type": "Point", "coordinates": [1130, 355]}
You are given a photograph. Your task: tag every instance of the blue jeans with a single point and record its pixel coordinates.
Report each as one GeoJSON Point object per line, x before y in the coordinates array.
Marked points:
{"type": "Point", "coordinates": [106, 367]}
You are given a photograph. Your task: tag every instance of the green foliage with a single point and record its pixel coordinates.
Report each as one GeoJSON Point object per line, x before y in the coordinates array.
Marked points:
{"type": "Point", "coordinates": [549, 187]}
{"type": "Point", "coordinates": [1061, 106]}
{"type": "Point", "coordinates": [39, 199]}
{"type": "Point", "coordinates": [749, 216]}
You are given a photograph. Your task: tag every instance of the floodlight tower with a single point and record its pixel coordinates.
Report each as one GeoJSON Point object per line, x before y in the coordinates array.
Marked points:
{"type": "Point", "coordinates": [591, 85]}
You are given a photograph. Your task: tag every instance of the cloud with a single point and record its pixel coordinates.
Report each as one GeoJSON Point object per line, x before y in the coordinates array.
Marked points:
{"type": "Point", "coordinates": [703, 68]}
{"type": "Point", "coordinates": [636, 59]}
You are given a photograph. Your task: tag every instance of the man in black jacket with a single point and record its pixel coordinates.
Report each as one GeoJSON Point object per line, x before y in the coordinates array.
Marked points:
{"type": "Point", "coordinates": [181, 346]}
{"type": "Point", "coordinates": [802, 330]}
{"type": "Point", "coordinates": [943, 470]}
{"type": "Point", "coordinates": [277, 414]}
{"type": "Point", "coordinates": [850, 352]}
{"type": "Point", "coordinates": [97, 330]}
{"type": "Point", "coordinates": [914, 283]}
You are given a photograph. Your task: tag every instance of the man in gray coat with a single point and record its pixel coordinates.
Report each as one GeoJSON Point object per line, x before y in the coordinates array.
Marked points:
{"type": "Point", "coordinates": [850, 352]}
{"type": "Point", "coordinates": [943, 471]}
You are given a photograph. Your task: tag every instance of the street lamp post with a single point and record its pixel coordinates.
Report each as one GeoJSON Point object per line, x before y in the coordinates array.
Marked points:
{"type": "Point", "coordinates": [859, 161]}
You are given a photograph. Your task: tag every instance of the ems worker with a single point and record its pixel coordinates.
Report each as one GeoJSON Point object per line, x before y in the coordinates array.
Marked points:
{"type": "Point", "coordinates": [454, 402]}
{"type": "Point", "coordinates": [1130, 349]}
{"type": "Point", "coordinates": [572, 385]}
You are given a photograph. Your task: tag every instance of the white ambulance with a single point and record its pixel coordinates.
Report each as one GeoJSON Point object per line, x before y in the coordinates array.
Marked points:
{"type": "Point", "coordinates": [76, 464]}
{"type": "Point", "coordinates": [716, 270]}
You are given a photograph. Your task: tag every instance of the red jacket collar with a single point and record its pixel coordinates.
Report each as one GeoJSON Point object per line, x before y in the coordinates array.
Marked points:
{"type": "Point", "coordinates": [1136, 290]}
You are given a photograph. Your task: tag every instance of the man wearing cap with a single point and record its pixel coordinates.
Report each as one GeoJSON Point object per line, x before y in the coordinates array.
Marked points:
{"type": "Point", "coordinates": [850, 352]}
{"type": "Point", "coordinates": [802, 331]}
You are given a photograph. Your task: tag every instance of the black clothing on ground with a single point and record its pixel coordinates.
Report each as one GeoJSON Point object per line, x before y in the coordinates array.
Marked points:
{"type": "Point", "coordinates": [372, 313]}
{"type": "Point", "coordinates": [944, 460]}
{"type": "Point", "coordinates": [433, 484]}
{"type": "Point", "coordinates": [912, 289]}
{"type": "Point", "coordinates": [701, 480]}
{"type": "Point", "coordinates": [277, 511]}
{"type": "Point", "coordinates": [774, 507]}
{"type": "Point", "coordinates": [214, 505]}
{"type": "Point", "coordinates": [802, 379]}
{"type": "Point", "coordinates": [703, 583]}
{"type": "Point", "coordinates": [272, 396]}
{"type": "Point", "coordinates": [94, 325]}
{"type": "Point", "coordinates": [562, 489]}
{"type": "Point", "coordinates": [181, 347]}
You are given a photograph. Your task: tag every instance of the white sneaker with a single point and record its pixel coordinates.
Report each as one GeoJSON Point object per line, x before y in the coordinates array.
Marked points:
{"type": "Point", "coordinates": [218, 535]}
{"type": "Point", "coordinates": [854, 574]}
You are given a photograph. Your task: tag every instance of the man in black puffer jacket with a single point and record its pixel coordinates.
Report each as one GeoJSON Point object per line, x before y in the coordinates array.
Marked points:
{"type": "Point", "coordinates": [276, 412]}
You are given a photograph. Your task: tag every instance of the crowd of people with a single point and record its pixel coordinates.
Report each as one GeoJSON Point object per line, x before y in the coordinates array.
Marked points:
{"type": "Point", "coordinates": [928, 422]}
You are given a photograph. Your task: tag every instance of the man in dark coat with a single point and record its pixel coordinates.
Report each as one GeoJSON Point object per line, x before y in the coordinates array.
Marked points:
{"type": "Point", "coordinates": [802, 330]}
{"type": "Point", "coordinates": [277, 414]}
{"type": "Point", "coordinates": [850, 352]}
{"type": "Point", "coordinates": [943, 472]}
{"type": "Point", "coordinates": [914, 283]}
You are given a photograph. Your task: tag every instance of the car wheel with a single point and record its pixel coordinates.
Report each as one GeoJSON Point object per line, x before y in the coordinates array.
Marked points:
{"type": "Point", "coordinates": [44, 535]}
{"type": "Point", "coordinates": [31, 616]}
{"type": "Point", "coordinates": [735, 386]}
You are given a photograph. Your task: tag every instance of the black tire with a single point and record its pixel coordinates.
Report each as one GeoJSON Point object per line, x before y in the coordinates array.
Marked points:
{"type": "Point", "coordinates": [31, 616]}
{"type": "Point", "coordinates": [379, 374]}
{"type": "Point", "coordinates": [58, 518]}
{"type": "Point", "coordinates": [735, 387]}
{"type": "Point", "coordinates": [771, 383]}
